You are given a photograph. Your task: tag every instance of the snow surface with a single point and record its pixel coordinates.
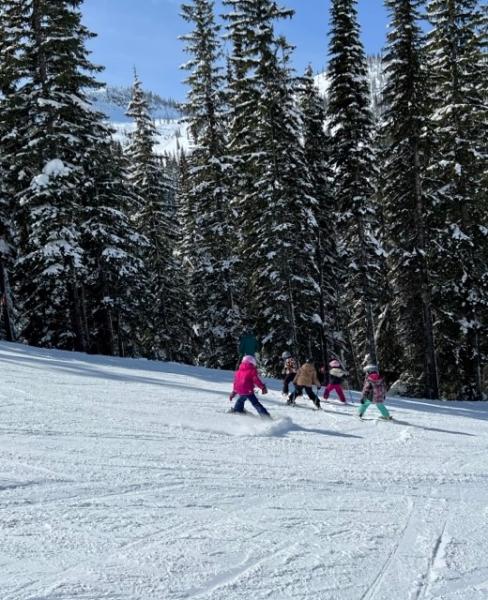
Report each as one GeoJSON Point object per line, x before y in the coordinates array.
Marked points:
{"type": "Point", "coordinates": [126, 479]}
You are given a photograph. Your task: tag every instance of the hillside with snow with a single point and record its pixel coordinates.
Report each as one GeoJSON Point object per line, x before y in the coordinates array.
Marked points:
{"type": "Point", "coordinates": [376, 81]}
{"type": "Point", "coordinates": [172, 133]}
{"type": "Point", "coordinates": [127, 480]}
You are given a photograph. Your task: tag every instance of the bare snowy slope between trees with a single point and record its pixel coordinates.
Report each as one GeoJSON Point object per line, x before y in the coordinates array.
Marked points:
{"type": "Point", "coordinates": [125, 479]}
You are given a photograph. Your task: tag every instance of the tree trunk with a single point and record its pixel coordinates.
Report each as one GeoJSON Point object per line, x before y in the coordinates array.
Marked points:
{"type": "Point", "coordinates": [6, 300]}
{"type": "Point", "coordinates": [76, 310]}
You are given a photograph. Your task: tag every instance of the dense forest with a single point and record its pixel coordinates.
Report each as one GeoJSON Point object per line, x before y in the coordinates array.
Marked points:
{"type": "Point", "coordinates": [331, 227]}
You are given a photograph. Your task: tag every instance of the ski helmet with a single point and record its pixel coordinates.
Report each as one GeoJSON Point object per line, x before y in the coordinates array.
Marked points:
{"type": "Point", "coordinates": [249, 360]}
{"type": "Point", "coordinates": [371, 369]}
{"type": "Point", "coordinates": [334, 364]}
{"type": "Point", "coordinates": [285, 355]}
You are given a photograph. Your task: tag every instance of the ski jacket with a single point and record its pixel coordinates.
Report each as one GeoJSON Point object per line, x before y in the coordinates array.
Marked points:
{"type": "Point", "coordinates": [248, 345]}
{"type": "Point", "coordinates": [306, 376]}
{"type": "Point", "coordinates": [291, 366]}
{"type": "Point", "coordinates": [336, 376]}
{"type": "Point", "coordinates": [374, 388]}
{"type": "Point", "coordinates": [246, 378]}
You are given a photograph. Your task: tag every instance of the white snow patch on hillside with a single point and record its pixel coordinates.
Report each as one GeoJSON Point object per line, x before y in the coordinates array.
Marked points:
{"type": "Point", "coordinates": [127, 479]}
{"type": "Point", "coordinates": [173, 136]}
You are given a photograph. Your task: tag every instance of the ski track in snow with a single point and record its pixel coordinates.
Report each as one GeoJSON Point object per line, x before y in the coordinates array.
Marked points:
{"type": "Point", "coordinates": [125, 480]}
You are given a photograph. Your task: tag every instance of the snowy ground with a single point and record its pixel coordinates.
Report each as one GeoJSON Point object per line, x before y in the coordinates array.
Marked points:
{"type": "Point", "coordinates": [125, 479]}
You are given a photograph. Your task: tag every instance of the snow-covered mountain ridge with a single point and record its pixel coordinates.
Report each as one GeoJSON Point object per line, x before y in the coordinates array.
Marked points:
{"type": "Point", "coordinates": [127, 479]}
{"type": "Point", "coordinates": [172, 132]}
{"type": "Point", "coordinates": [376, 80]}
{"type": "Point", "coordinates": [113, 102]}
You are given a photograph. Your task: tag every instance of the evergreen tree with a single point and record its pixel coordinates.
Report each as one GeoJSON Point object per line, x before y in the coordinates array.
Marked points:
{"type": "Point", "coordinates": [458, 191]}
{"type": "Point", "coordinates": [113, 254]}
{"type": "Point", "coordinates": [317, 149]}
{"type": "Point", "coordinates": [164, 321]}
{"type": "Point", "coordinates": [275, 205]}
{"type": "Point", "coordinates": [51, 151]}
{"type": "Point", "coordinates": [212, 256]}
{"type": "Point", "coordinates": [12, 15]}
{"type": "Point", "coordinates": [187, 250]}
{"type": "Point", "coordinates": [405, 210]}
{"type": "Point", "coordinates": [350, 122]}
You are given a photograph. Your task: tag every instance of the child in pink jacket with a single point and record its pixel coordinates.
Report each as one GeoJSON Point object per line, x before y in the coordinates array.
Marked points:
{"type": "Point", "coordinates": [246, 378]}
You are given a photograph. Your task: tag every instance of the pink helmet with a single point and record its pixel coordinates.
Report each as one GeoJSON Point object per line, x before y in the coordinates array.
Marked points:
{"type": "Point", "coordinates": [249, 359]}
{"type": "Point", "coordinates": [334, 364]}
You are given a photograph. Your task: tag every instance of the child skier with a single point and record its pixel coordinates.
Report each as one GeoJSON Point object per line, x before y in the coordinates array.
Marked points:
{"type": "Point", "coordinates": [305, 378]}
{"type": "Point", "coordinates": [336, 377]}
{"type": "Point", "coordinates": [374, 391]}
{"type": "Point", "coordinates": [246, 379]}
{"type": "Point", "coordinates": [290, 369]}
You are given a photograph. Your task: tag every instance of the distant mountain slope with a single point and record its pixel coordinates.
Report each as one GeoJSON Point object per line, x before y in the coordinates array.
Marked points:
{"type": "Point", "coordinates": [173, 133]}
{"type": "Point", "coordinates": [376, 78]}
{"type": "Point", "coordinates": [113, 102]}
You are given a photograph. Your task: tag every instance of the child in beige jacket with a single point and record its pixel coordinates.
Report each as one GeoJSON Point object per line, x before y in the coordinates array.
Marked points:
{"type": "Point", "coordinates": [304, 380]}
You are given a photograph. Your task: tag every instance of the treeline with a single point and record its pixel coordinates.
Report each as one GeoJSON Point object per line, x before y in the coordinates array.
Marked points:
{"type": "Point", "coordinates": [329, 232]}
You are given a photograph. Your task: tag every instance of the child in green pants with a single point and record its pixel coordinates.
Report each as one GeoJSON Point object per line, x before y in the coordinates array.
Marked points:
{"type": "Point", "coordinates": [374, 392]}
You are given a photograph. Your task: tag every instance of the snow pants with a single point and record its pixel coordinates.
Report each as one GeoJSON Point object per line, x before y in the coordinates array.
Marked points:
{"type": "Point", "coordinates": [299, 392]}
{"type": "Point", "coordinates": [337, 388]}
{"type": "Point", "coordinates": [379, 405]}
{"type": "Point", "coordinates": [289, 377]}
{"type": "Point", "coordinates": [241, 400]}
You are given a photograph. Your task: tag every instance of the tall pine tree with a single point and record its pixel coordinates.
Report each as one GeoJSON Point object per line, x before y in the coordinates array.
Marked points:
{"type": "Point", "coordinates": [164, 326]}
{"type": "Point", "coordinates": [458, 191]}
{"type": "Point", "coordinates": [317, 147]}
{"type": "Point", "coordinates": [275, 204]}
{"type": "Point", "coordinates": [52, 150]}
{"type": "Point", "coordinates": [114, 250]}
{"type": "Point", "coordinates": [212, 255]}
{"type": "Point", "coordinates": [13, 14]}
{"type": "Point", "coordinates": [350, 122]}
{"type": "Point", "coordinates": [405, 210]}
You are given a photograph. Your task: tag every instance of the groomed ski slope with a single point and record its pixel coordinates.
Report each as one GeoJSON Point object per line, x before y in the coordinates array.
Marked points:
{"type": "Point", "coordinates": [125, 479]}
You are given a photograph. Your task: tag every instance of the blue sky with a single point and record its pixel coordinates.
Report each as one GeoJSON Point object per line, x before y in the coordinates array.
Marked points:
{"type": "Point", "coordinates": [143, 33]}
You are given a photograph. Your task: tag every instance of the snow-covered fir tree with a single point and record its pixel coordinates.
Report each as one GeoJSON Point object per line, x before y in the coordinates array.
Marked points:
{"type": "Point", "coordinates": [212, 254]}
{"type": "Point", "coordinates": [350, 121]}
{"type": "Point", "coordinates": [404, 207]}
{"type": "Point", "coordinates": [458, 191]}
{"type": "Point", "coordinates": [12, 17]}
{"type": "Point", "coordinates": [275, 204]}
{"type": "Point", "coordinates": [164, 327]}
{"type": "Point", "coordinates": [51, 152]}
{"type": "Point", "coordinates": [114, 250]}
{"type": "Point", "coordinates": [317, 147]}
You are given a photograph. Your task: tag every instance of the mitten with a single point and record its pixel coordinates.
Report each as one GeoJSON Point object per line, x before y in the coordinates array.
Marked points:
{"type": "Point", "coordinates": [264, 390]}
